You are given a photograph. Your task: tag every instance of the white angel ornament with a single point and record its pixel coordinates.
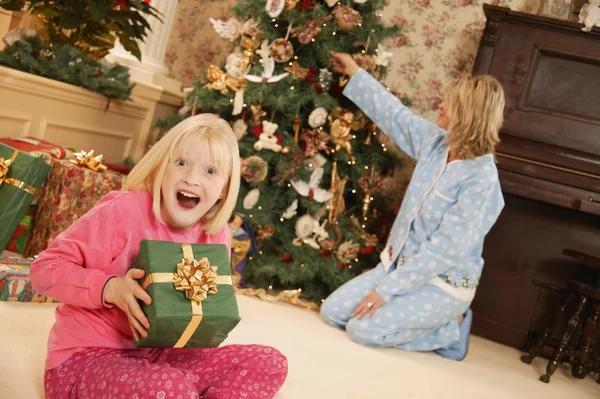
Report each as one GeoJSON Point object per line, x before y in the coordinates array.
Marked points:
{"type": "Point", "coordinates": [268, 63]}
{"type": "Point", "coordinates": [230, 29]}
{"type": "Point", "coordinates": [311, 189]}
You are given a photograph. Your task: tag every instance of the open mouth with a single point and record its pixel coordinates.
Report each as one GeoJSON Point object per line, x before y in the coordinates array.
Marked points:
{"type": "Point", "coordinates": [187, 200]}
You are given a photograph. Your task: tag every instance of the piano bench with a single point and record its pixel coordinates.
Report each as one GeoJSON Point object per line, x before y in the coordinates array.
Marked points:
{"type": "Point", "coordinates": [581, 357]}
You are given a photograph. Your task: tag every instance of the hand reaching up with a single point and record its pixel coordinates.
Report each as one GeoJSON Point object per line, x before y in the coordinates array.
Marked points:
{"type": "Point", "coordinates": [344, 63]}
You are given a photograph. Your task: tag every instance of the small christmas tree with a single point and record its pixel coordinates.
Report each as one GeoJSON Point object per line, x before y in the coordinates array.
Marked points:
{"type": "Point", "coordinates": [312, 164]}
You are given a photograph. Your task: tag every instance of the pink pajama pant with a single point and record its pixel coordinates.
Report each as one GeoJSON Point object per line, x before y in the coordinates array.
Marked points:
{"type": "Point", "coordinates": [234, 371]}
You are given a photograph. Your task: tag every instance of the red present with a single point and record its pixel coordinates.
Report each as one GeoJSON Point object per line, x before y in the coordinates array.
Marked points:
{"type": "Point", "coordinates": [69, 192]}
{"type": "Point", "coordinates": [37, 147]}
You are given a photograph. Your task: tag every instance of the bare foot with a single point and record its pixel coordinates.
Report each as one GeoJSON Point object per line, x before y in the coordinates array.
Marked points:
{"type": "Point", "coordinates": [460, 318]}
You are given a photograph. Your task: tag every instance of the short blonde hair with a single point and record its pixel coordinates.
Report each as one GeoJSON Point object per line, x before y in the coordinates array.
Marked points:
{"type": "Point", "coordinates": [476, 111]}
{"type": "Point", "coordinates": [149, 172]}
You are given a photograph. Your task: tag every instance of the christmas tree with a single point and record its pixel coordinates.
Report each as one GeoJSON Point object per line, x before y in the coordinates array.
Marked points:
{"type": "Point", "coordinates": [313, 166]}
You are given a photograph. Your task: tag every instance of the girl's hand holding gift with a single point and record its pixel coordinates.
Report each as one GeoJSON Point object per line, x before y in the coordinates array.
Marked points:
{"type": "Point", "coordinates": [124, 292]}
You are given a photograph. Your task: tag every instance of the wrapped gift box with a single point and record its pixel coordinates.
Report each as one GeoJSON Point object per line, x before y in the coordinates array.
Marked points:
{"type": "Point", "coordinates": [15, 285]}
{"type": "Point", "coordinates": [21, 176]}
{"type": "Point", "coordinates": [37, 147]}
{"type": "Point", "coordinates": [193, 303]}
{"type": "Point", "coordinates": [70, 191]}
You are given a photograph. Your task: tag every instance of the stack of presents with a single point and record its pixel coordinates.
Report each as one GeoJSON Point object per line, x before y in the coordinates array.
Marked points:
{"type": "Point", "coordinates": [44, 188]}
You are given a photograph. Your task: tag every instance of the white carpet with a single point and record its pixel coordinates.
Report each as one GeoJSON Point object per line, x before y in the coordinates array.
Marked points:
{"type": "Point", "coordinates": [323, 361]}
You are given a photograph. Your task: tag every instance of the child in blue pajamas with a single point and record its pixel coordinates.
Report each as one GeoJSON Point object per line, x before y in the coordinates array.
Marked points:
{"type": "Point", "coordinates": [418, 296]}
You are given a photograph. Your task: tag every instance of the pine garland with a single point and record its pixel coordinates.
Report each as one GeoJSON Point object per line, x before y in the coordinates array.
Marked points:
{"type": "Point", "coordinates": [64, 63]}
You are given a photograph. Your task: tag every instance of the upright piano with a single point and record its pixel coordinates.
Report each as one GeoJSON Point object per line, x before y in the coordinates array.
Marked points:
{"type": "Point", "coordinates": [549, 165]}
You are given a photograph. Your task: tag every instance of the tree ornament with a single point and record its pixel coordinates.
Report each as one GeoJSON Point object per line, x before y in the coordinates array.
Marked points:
{"type": "Point", "coordinates": [251, 28]}
{"type": "Point", "coordinates": [249, 45]}
{"type": "Point", "coordinates": [337, 205]}
{"type": "Point", "coordinates": [325, 78]}
{"type": "Point", "coordinates": [317, 117]}
{"type": "Point", "coordinates": [265, 232]}
{"type": "Point", "coordinates": [267, 139]}
{"type": "Point", "coordinates": [234, 65]}
{"type": "Point", "coordinates": [240, 129]}
{"type": "Point", "coordinates": [297, 71]}
{"type": "Point", "coordinates": [287, 258]}
{"type": "Point", "coordinates": [340, 133]}
{"type": "Point", "coordinates": [274, 7]}
{"type": "Point", "coordinates": [346, 18]}
{"type": "Point", "coordinates": [231, 30]}
{"type": "Point", "coordinates": [221, 81]}
{"type": "Point", "coordinates": [311, 188]}
{"type": "Point", "coordinates": [282, 50]}
{"type": "Point", "coordinates": [268, 64]}
{"type": "Point", "coordinates": [254, 169]}
{"type": "Point", "coordinates": [251, 198]}
{"type": "Point", "coordinates": [315, 140]}
{"type": "Point", "coordinates": [257, 114]}
{"type": "Point", "coordinates": [296, 130]}
{"type": "Point", "coordinates": [304, 226]}
{"type": "Point", "coordinates": [291, 211]}
{"type": "Point", "coordinates": [347, 251]}
{"type": "Point", "coordinates": [290, 4]}
{"type": "Point", "coordinates": [306, 32]}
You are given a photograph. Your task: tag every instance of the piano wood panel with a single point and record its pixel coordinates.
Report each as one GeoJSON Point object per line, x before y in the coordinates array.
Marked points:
{"type": "Point", "coordinates": [549, 163]}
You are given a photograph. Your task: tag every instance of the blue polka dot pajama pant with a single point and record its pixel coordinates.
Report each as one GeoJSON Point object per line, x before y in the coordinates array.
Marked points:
{"type": "Point", "coordinates": [423, 320]}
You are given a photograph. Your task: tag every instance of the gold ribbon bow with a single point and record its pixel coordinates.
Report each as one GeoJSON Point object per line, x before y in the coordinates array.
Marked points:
{"type": "Point", "coordinates": [88, 160]}
{"type": "Point", "coordinates": [197, 279]}
{"type": "Point", "coordinates": [5, 166]}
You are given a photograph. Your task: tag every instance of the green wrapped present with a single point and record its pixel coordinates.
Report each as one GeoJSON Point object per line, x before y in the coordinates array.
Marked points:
{"type": "Point", "coordinates": [193, 299]}
{"type": "Point", "coordinates": [21, 176]}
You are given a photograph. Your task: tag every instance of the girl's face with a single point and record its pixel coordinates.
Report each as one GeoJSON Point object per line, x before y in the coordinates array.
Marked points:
{"type": "Point", "coordinates": [444, 119]}
{"type": "Point", "coordinates": [192, 184]}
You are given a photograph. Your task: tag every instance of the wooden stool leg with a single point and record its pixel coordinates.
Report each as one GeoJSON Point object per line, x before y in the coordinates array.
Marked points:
{"type": "Point", "coordinates": [584, 357]}
{"type": "Point", "coordinates": [557, 319]}
{"type": "Point", "coordinates": [559, 352]}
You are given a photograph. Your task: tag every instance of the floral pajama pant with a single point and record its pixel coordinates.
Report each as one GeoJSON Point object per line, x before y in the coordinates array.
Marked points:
{"type": "Point", "coordinates": [423, 320]}
{"type": "Point", "coordinates": [234, 371]}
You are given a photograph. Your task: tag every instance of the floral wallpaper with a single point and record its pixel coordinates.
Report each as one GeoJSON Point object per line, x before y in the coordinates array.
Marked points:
{"type": "Point", "coordinates": [439, 40]}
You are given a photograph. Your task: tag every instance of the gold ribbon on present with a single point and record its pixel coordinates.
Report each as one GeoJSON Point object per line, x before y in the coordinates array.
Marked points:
{"type": "Point", "coordinates": [197, 279]}
{"type": "Point", "coordinates": [5, 166]}
{"type": "Point", "coordinates": [88, 160]}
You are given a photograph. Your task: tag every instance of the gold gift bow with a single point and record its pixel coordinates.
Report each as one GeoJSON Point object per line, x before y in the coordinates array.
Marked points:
{"type": "Point", "coordinates": [88, 160]}
{"type": "Point", "coordinates": [197, 279]}
{"type": "Point", "coordinates": [5, 166]}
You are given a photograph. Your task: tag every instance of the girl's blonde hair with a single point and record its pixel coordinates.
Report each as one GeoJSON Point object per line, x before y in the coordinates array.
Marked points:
{"type": "Point", "coordinates": [476, 109]}
{"type": "Point", "coordinates": [218, 135]}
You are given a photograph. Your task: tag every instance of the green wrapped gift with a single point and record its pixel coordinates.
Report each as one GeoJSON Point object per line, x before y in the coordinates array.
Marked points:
{"type": "Point", "coordinates": [193, 300]}
{"type": "Point", "coordinates": [21, 176]}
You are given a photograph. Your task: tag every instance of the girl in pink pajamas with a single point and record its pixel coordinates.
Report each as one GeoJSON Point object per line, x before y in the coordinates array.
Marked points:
{"type": "Point", "coordinates": [184, 190]}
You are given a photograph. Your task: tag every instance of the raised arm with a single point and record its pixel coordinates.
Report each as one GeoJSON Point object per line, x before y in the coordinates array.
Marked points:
{"type": "Point", "coordinates": [409, 131]}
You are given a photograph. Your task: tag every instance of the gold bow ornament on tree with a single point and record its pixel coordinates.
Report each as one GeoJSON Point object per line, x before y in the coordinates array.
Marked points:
{"type": "Point", "coordinates": [88, 160]}
{"type": "Point", "coordinates": [4, 179]}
